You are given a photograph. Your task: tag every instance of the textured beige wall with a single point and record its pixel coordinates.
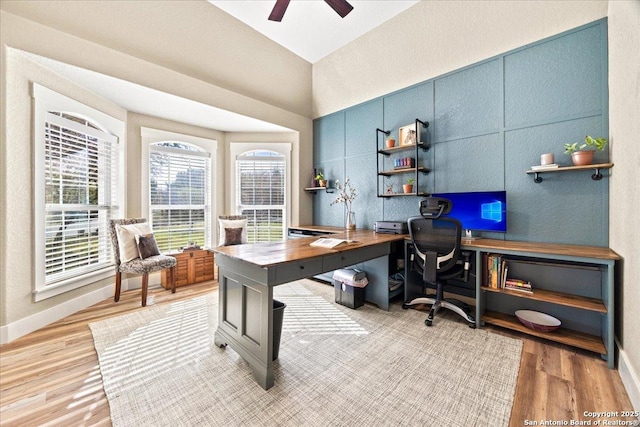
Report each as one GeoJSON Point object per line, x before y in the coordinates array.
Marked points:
{"type": "Point", "coordinates": [435, 37]}
{"type": "Point", "coordinates": [15, 134]}
{"type": "Point", "coordinates": [180, 36]}
{"type": "Point", "coordinates": [16, 200]}
{"type": "Point", "coordinates": [624, 128]}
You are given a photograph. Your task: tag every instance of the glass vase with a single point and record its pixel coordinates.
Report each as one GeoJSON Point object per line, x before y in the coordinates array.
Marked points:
{"type": "Point", "coordinates": [350, 221]}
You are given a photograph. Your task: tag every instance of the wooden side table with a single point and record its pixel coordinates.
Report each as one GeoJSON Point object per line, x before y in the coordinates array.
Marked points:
{"type": "Point", "coordinates": [194, 266]}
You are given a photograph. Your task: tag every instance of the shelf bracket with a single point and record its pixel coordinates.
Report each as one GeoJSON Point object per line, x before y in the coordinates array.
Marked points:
{"type": "Point", "coordinates": [384, 132]}
{"type": "Point", "coordinates": [423, 145]}
{"type": "Point", "coordinates": [597, 176]}
{"type": "Point", "coordinates": [425, 124]}
{"type": "Point", "coordinates": [537, 178]}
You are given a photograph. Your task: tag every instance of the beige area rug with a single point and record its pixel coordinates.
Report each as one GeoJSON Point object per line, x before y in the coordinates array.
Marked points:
{"type": "Point", "coordinates": [337, 367]}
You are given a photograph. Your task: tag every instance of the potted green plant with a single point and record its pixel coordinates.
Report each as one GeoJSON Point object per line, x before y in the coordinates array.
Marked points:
{"type": "Point", "coordinates": [583, 154]}
{"type": "Point", "coordinates": [320, 179]}
{"type": "Point", "coordinates": [408, 186]}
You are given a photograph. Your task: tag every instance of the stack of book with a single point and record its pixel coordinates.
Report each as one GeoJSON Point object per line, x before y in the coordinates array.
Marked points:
{"type": "Point", "coordinates": [496, 275]}
{"type": "Point", "coordinates": [518, 285]}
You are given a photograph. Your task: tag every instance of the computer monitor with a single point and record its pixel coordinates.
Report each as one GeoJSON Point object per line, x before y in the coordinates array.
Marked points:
{"type": "Point", "coordinates": [478, 211]}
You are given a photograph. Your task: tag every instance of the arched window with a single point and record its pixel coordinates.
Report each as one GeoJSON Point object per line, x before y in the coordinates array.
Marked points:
{"type": "Point", "coordinates": [179, 194]}
{"type": "Point", "coordinates": [179, 187]}
{"type": "Point", "coordinates": [261, 193]}
{"type": "Point", "coordinates": [76, 192]}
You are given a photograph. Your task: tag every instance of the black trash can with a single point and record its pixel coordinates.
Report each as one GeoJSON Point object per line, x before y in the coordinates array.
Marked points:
{"type": "Point", "coordinates": [278, 317]}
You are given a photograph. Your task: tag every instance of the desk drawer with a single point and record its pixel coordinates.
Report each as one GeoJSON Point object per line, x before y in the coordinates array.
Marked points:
{"type": "Point", "coordinates": [298, 270]}
{"type": "Point", "coordinates": [352, 257]}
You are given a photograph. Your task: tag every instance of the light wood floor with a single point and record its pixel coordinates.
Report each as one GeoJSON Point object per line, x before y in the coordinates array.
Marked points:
{"type": "Point", "coordinates": [51, 376]}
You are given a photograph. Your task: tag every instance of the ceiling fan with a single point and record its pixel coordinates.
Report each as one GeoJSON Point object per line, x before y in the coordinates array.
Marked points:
{"type": "Point", "coordinates": [342, 8]}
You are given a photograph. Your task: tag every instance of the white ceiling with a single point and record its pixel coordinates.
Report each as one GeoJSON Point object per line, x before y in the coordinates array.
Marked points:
{"type": "Point", "coordinates": [311, 28]}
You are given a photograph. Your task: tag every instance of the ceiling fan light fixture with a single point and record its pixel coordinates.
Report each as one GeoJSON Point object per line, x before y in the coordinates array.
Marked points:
{"type": "Point", "coordinates": [342, 8]}
{"type": "Point", "coordinates": [278, 10]}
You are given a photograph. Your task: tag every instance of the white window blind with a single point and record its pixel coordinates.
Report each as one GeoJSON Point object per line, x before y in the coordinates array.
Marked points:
{"type": "Point", "coordinates": [179, 194]}
{"type": "Point", "coordinates": [80, 191]}
{"type": "Point", "coordinates": [261, 193]}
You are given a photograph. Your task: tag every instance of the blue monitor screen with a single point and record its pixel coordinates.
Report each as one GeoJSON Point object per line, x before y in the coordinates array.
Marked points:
{"type": "Point", "coordinates": [479, 210]}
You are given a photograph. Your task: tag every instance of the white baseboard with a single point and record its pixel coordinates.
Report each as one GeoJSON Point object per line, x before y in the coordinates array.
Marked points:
{"type": "Point", "coordinates": [630, 379]}
{"type": "Point", "coordinates": [43, 318]}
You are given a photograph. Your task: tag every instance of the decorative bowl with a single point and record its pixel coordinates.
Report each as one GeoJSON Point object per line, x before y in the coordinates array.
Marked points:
{"type": "Point", "coordinates": [538, 321]}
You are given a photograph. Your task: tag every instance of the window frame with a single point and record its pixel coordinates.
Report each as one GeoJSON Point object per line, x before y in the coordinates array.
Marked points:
{"type": "Point", "coordinates": [152, 136]}
{"type": "Point", "coordinates": [237, 149]}
{"type": "Point", "coordinates": [45, 100]}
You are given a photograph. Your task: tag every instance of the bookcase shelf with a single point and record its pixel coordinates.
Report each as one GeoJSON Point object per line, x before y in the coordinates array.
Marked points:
{"type": "Point", "coordinates": [573, 283]}
{"type": "Point", "coordinates": [569, 300]}
{"type": "Point", "coordinates": [562, 335]}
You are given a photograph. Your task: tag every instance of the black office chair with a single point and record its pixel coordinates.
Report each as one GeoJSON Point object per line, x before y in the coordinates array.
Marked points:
{"type": "Point", "coordinates": [437, 256]}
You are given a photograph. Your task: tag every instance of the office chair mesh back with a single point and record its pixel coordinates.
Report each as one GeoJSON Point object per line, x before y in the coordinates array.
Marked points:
{"type": "Point", "coordinates": [439, 238]}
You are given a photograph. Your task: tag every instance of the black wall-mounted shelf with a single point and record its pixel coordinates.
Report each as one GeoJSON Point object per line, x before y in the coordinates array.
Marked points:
{"type": "Point", "coordinates": [416, 169]}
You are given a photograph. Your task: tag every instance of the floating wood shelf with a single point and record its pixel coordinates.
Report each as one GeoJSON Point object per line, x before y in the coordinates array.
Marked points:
{"type": "Point", "coordinates": [314, 190]}
{"type": "Point", "coordinates": [403, 194]}
{"type": "Point", "coordinates": [597, 175]}
{"type": "Point", "coordinates": [404, 170]}
{"type": "Point", "coordinates": [389, 151]}
{"type": "Point", "coordinates": [561, 335]}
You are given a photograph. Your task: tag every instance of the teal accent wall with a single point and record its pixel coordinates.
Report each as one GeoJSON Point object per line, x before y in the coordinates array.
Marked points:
{"type": "Point", "coordinates": [488, 124]}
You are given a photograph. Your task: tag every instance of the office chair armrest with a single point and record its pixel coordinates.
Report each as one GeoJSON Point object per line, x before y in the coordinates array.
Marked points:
{"type": "Point", "coordinates": [466, 255]}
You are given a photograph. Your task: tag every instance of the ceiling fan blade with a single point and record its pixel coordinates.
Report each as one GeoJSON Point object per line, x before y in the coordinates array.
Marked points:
{"type": "Point", "coordinates": [342, 7]}
{"type": "Point", "coordinates": [278, 10]}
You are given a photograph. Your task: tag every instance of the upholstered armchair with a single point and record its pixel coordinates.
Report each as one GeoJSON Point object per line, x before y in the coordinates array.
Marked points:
{"type": "Point", "coordinates": [135, 252]}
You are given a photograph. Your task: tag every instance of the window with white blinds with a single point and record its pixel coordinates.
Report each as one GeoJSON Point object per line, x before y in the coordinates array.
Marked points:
{"type": "Point", "coordinates": [261, 192]}
{"type": "Point", "coordinates": [179, 174]}
{"type": "Point", "coordinates": [80, 194]}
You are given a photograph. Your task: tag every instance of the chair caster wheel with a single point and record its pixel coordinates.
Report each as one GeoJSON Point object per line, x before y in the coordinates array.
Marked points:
{"type": "Point", "coordinates": [428, 322]}
{"type": "Point", "coordinates": [472, 326]}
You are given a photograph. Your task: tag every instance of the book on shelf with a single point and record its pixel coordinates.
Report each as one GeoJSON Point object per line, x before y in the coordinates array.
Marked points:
{"type": "Point", "coordinates": [505, 270]}
{"type": "Point", "coordinates": [518, 285]}
{"type": "Point", "coordinates": [518, 288]}
{"type": "Point", "coordinates": [544, 167]}
{"type": "Point", "coordinates": [495, 270]}
{"type": "Point", "coordinates": [328, 242]}
{"type": "Point", "coordinates": [518, 282]}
